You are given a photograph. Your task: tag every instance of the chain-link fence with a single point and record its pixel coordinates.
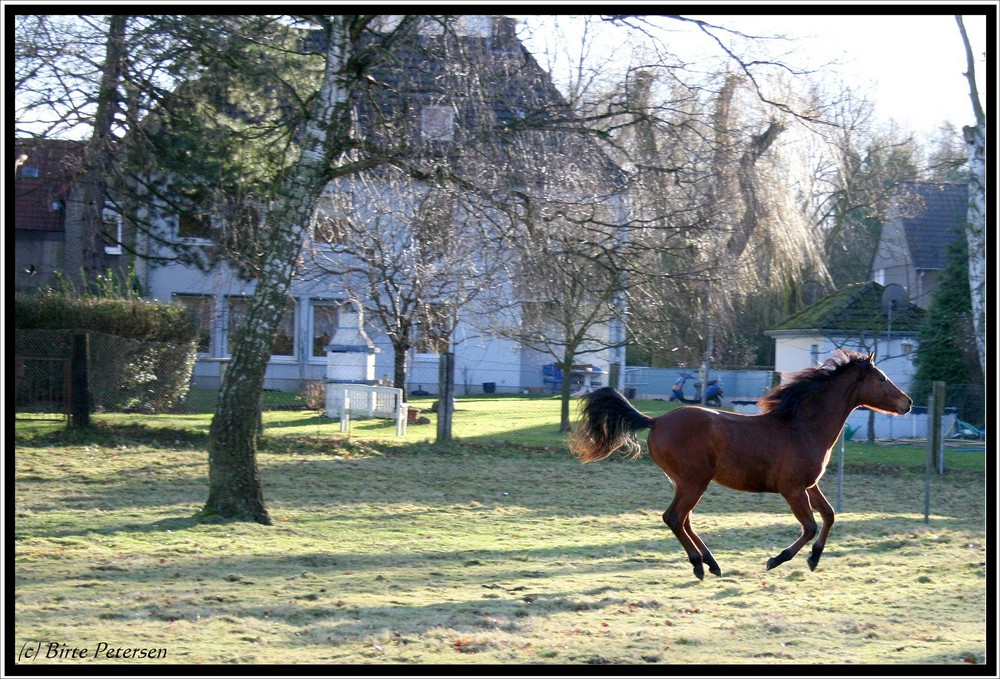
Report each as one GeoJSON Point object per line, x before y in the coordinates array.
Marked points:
{"type": "Point", "coordinates": [41, 384]}
{"type": "Point", "coordinates": [124, 375]}
{"type": "Point", "coordinates": [131, 376]}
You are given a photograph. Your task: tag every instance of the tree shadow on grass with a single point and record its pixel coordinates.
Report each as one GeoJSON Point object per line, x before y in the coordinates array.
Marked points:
{"type": "Point", "coordinates": [539, 486]}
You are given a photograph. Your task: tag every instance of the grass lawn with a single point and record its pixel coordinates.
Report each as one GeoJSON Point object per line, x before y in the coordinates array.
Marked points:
{"type": "Point", "coordinates": [399, 552]}
{"type": "Point", "coordinates": [529, 421]}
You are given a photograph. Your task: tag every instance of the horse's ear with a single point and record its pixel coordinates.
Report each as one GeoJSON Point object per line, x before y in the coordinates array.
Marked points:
{"type": "Point", "coordinates": [871, 357]}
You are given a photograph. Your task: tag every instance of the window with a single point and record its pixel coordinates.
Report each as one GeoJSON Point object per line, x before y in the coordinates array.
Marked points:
{"type": "Point", "coordinates": [324, 327]}
{"type": "Point", "coordinates": [29, 172]}
{"type": "Point", "coordinates": [437, 123]}
{"type": "Point", "coordinates": [195, 208]}
{"type": "Point", "coordinates": [111, 232]}
{"type": "Point", "coordinates": [194, 226]}
{"type": "Point", "coordinates": [283, 343]}
{"type": "Point", "coordinates": [203, 308]}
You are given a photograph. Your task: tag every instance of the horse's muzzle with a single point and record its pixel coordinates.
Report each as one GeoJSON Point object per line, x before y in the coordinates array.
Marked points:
{"type": "Point", "coordinates": [904, 405]}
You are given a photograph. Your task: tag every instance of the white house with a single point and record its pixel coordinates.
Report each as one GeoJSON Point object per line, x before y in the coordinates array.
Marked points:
{"type": "Point", "coordinates": [445, 124]}
{"type": "Point", "coordinates": [851, 318]}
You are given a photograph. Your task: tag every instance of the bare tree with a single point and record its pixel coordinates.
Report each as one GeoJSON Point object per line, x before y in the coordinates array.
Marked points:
{"type": "Point", "coordinates": [58, 66]}
{"type": "Point", "coordinates": [414, 254]}
{"type": "Point", "coordinates": [461, 217]}
{"type": "Point", "coordinates": [571, 286]}
{"type": "Point", "coordinates": [715, 197]}
{"type": "Point", "coordinates": [68, 78]}
{"type": "Point", "coordinates": [730, 247]}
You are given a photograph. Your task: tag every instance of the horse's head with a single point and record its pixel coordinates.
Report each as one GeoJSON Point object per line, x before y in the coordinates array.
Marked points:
{"type": "Point", "coordinates": [877, 392]}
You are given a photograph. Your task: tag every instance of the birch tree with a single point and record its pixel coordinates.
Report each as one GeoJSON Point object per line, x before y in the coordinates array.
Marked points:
{"type": "Point", "coordinates": [234, 480]}
{"type": "Point", "coordinates": [975, 229]}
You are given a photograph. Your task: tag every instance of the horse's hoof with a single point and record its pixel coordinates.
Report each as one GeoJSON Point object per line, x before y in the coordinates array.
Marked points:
{"type": "Point", "coordinates": [771, 563]}
{"type": "Point", "coordinates": [813, 559]}
{"type": "Point", "coordinates": [717, 572]}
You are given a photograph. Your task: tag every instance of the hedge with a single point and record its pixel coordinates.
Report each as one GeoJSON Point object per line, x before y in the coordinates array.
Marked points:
{"type": "Point", "coordinates": [140, 319]}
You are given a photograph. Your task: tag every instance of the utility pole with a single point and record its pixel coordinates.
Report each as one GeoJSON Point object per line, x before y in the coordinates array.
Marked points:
{"type": "Point", "coordinates": [706, 363]}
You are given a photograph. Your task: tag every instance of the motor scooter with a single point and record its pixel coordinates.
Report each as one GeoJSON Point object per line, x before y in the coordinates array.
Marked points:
{"type": "Point", "coordinates": [713, 397]}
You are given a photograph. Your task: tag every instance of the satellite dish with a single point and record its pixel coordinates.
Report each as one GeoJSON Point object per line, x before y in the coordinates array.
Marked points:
{"type": "Point", "coordinates": [892, 295]}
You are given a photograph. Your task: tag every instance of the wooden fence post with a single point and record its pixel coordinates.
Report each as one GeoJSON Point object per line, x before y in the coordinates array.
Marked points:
{"type": "Point", "coordinates": [80, 381]}
{"type": "Point", "coordinates": [937, 415]}
{"type": "Point", "coordinates": [935, 410]}
{"type": "Point", "coordinates": [446, 392]}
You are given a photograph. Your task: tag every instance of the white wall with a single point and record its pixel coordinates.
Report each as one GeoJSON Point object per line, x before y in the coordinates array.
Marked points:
{"type": "Point", "coordinates": [794, 352]}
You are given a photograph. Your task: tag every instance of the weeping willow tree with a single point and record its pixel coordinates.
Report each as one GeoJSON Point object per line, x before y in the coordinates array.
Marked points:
{"type": "Point", "coordinates": [716, 189]}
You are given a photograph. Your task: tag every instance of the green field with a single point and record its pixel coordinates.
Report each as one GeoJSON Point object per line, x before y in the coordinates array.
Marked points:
{"type": "Point", "coordinates": [399, 552]}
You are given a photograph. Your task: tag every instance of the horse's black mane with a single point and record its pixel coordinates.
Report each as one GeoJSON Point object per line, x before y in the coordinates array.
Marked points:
{"type": "Point", "coordinates": [788, 398]}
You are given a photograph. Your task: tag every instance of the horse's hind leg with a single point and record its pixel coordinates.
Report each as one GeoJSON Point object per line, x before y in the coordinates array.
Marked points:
{"type": "Point", "coordinates": [706, 555]}
{"type": "Point", "coordinates": [677, 517]}
{"type": "Point", "coordinates": [798, 500]}
{"type": "Point", "coordinates": [821, 504]}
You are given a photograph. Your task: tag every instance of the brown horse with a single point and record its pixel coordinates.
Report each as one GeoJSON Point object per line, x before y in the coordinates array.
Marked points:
{"type": "Point", "coordinates": [784, 449]}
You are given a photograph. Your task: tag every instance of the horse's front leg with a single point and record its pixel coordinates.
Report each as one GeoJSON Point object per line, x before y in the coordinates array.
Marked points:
{"type": "Point", "coordinates": [798, 500]}
{"type": "Point", "coordinates": [817, 499]}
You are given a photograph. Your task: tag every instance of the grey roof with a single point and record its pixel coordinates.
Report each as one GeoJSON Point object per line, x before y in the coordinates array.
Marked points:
{"type": "Point", "coordinates": [932, 216]}
{"type": "Point", "coordinates": [496, 87]}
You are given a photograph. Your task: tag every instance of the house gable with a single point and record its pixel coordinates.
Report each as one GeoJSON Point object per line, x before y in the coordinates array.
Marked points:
{"type": "Point", "coordinates": [46, 209]}
{"type": "Point", "coordinates": [921, 223]}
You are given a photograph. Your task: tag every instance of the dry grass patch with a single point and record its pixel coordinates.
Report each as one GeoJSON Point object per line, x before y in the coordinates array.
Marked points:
{"type": "Point", "coordinates": [403, 555]}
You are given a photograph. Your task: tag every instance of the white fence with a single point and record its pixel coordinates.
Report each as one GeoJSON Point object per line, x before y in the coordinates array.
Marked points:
{"type": "Point", "coordinates": [913, 425]}
{"type": "Point", "coordinates": [360, 400]}
{"type": "Point", "coordinates": [738, 385]}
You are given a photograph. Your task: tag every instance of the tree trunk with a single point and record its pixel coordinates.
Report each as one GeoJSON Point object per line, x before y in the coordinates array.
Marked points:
{"type": "Point", "coordinates": [975, 232]}
{"type": "Point", "coordinates": [566, 389]}
{"type": "Point", "coordinates": [399, 365]}
{"type": "Point", "coordinates": [752, 207]}
{"type": "Point", "coordinates": [234, 481]}
{"type": "Point", "coordinates": [975, 229]}
{"type": "Point", "coordinates": [98, 157]}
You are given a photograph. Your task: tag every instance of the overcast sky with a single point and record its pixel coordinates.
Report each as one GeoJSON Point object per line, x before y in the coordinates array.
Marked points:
{"type": "Point", "coordinates": [912, 65]}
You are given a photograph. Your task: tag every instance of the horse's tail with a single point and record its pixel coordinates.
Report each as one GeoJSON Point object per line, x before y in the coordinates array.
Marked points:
{"type": "Point", "coordinates": [608, 422]}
